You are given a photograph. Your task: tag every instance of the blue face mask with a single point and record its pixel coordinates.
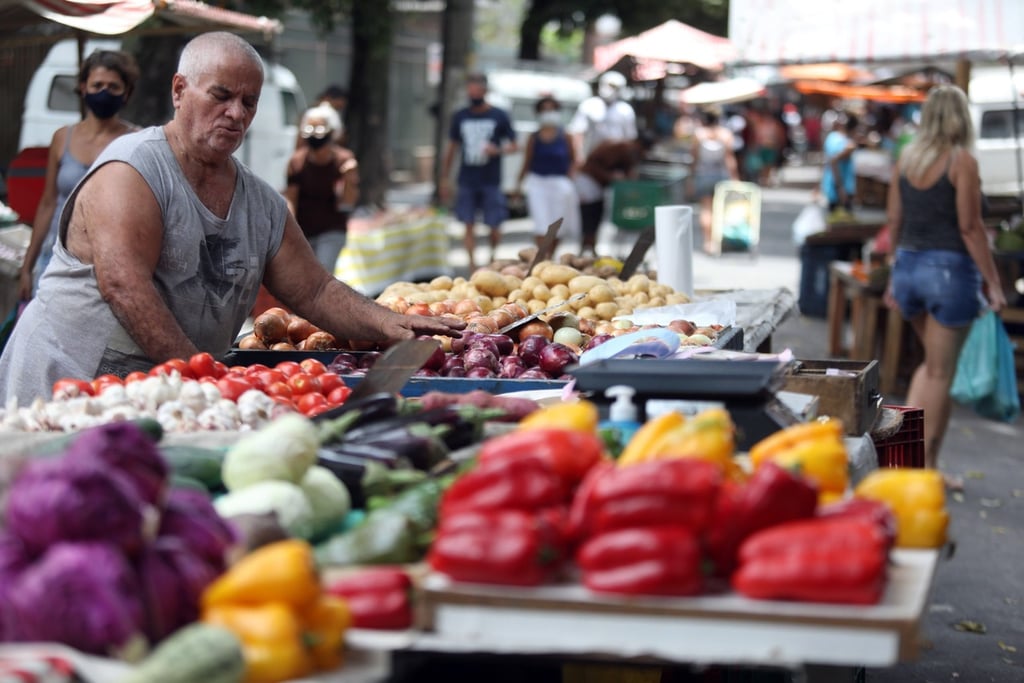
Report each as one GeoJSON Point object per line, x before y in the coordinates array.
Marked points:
{"type": "Point", "coordinates": [104, 104]}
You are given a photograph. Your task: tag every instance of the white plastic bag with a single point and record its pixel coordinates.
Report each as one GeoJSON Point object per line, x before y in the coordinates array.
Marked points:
{"type": "Point", "coordinates": [810, 220]}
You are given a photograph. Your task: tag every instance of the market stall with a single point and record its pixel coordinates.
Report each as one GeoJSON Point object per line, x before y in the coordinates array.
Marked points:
{"type": "Point", "coordinates": [260, 471]}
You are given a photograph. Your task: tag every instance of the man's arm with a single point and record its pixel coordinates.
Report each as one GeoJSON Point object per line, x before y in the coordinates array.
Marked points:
{"type": "Point", "coordinates": [116, 225]}
{"type": "Point", "coordinates": [295, 277]}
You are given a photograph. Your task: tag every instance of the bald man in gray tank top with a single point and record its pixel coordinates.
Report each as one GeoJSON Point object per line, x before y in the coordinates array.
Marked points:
{"type": "Point", "coordinates": [163, 245]}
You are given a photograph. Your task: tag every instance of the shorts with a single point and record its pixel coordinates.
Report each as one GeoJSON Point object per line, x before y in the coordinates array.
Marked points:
{"type": "Point", "coordinates": [759, 158]}
{"type": "Point", "coordinates": [488, 199]}
{"type": "Point", "coordinates": [704, 183]}
{"type": "Point", "coordinates": [944, 284]}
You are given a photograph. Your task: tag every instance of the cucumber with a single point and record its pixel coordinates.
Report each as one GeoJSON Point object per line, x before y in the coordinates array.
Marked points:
{"type": "Point", "coordinates": [199, 652]}
{"type": "Point", "coordinates": [199, 464]}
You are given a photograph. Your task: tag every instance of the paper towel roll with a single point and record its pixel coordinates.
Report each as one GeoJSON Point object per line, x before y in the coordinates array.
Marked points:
{"type": "Point", "coordinates": [673, 240]}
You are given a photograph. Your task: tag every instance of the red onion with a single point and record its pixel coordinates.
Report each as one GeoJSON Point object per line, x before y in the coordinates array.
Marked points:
{"type": "Point", "coordinates": [480, 372]}
{"type": "Point", "coordinates": [510, 367]}
{"type": "Point", "coordinates": [480, 358]}
{"type": "Point", "coordinates": [555, 357]}
{"type": "Point", "coordinates": [530, 348]}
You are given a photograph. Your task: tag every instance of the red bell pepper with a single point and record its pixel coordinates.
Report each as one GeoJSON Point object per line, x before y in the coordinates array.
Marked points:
{"type": "Point", "coordinates": [570, 453]}
{"type": "Point", "coordinates": [525, 483]}
{"type": "Point", "coordinates": [378, 598]}
{"type": "Point", "coordinates": [655, 560]}
{"type": "Point", "coordinates": [772, 496]}
{"type": "Point", "coordinates": [677, 492]}
{"type": "Point", "coordinates": [864, 508]}
{"type": "Point", "coordinates": [818, 560]}
{"type": "Point", "coordinates": [506, 547]}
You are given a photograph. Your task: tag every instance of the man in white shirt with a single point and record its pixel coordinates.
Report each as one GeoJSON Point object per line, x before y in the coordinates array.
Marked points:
{"type": "Point", "coordinates": [602, 117]}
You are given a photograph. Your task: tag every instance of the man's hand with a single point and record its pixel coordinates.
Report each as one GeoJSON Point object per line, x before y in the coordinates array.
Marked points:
{"type": "Point", "coordinates": [402, 326]}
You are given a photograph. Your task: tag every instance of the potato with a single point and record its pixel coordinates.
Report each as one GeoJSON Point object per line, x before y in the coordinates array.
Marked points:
{"type": "Point", "coordinates": [441, 283]}
{"type": "Point", "coordinates": [516, 270]}
{"type": "Point", "coordinates": [583, 283]}
{"type": "Point", "coordinates": [419, 298]}
{"type": "Point", "coordinates": [586, 313]}
{"type": "Point", "coordinates": [489, 282]}
{"type": "Point", "coordinates": [556, 301]}
{"type": "Point", "coordinates": [606, 310]}
{"type": "Point", "coordinates": [557, 274]}
{"type": "Point", "coordinates": [485, 302]}
{"type": "Point", "coordinates": [641, 298]}
{"type": "Point", "coordinates": [656, 301]}
{"type": "Point", "coordinates": [498, 302]}
{"type": "Point", "coordinates": [458, 291]}
{"type": "Point", "coordinates": [536, 305]}
{"type": "Point", "coordinates": [458, 281]}
{"type": "Point", "coordinates": [677, 298]}
{"type": "Point", "coordinates": [541, 292]}
{"type": "Point", "coordinates": [530, 282]}
{"type": "Point", "coordinates": [577, 304]}
{"type": "Point", "coordinates": [512, 282]}
{"type": "Point", "coordinates": [516, 294]}
{"type": "Point", "coordinates": [638, 283]}
{"type": "Point", "coordinates": [601, 293]}
{"type": "Point", "coordinates": [658, 289]}
{"type": "Point", "coordinates": [561, 291]}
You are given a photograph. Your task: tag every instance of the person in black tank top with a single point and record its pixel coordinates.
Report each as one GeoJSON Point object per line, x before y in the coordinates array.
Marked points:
{"type": "Point", "coordinates": [942, 262]}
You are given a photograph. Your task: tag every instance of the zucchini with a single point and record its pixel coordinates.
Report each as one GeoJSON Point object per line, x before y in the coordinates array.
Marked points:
{"type": "Point", "coordinates": [199, 652]}
{"type": "Point", "coordinates": [200, 464]}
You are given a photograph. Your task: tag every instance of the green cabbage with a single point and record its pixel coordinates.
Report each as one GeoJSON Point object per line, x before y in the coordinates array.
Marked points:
{"type": "Point", "coordinates": [282, 451]}
{"type": "Point", "coordinates": [282, 498]}
{"type": "Point", "coordinates": [328, 497]}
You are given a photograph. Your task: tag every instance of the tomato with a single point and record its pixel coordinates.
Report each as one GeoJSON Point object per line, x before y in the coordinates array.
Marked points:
{"type": "Point", "coordinates": [339, 395]}
{"type": "Point", "coordinates": [268, 377]}
{"type": "Point", "coordinates": [312, 366]}
{"type": "Point", "coordinates": [172, 365]}
{"type": "Point", "coordinates": [104, 381]}
{"type": "Point", "coordinates": [136, 376]}
{"type": "Point", "coordinates": [219, 369]}
{"type": "Point", "coordinates": [278, 389]}
{"type": "Point", "coordinates": [302, 383]}
{"type": "Point", "coordinates": [311, 404]}
{"type": "Point", "coordinates": [329, 381]}
{"type": "Point", "coordinates": [288, 367]}
{"type": "Point", "coordinates": [284, 400]}
{"type": "Point", "coordinates": [208, 380]}
{"type": "Point", "coordinates": [232, 386]}
{"type": "Point", "coordinates": [70, 388]}
{"type": "Point", "coordinates": [201, 364]}
{"type": "Point", "coordinates": [237, 370]}
{"type": "Point", "coordinates": [255, 369]}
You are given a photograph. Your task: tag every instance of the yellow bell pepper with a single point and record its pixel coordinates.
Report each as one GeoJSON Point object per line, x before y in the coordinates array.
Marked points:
{"type": "Point", "coordinates": [822, 461]}
{"type": "Point", "coordinates": [639, 446]}
{"type": "Point", "coordinates": [272, 639]}
{"type": "Point", "coordinates": [581, 415]}
{"type": "Point", "coordinates": [708, 435]}
{"type": "Point", "coordinates": [284, 571]}
{"type": "Point", "coordinates": [918, 501]}
{"type": "Point", "coordinates": [793, 435]}
{"type": "Point", "coordinates": [325, 623]}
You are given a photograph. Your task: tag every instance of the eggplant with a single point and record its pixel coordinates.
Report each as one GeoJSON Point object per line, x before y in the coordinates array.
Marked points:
{"type": "Point", "coordinates": [337, 421]}
{"type": "Point", "coordinates": [348, 463]}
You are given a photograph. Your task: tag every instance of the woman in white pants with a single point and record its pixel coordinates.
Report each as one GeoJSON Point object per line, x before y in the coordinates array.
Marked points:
{"type": "Point", "coordinates": [548, 164]}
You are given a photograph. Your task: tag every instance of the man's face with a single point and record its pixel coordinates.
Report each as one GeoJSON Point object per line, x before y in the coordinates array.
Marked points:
{"type": "Point", "coordinates": [217, 109]}
{"type": "Point", "coordinates": [475, 90]}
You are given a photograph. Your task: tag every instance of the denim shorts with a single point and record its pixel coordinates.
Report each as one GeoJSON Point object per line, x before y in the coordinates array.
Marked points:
{"type": "Point", "coordinates": [944, 284]}
{"type": "Point", "coordinates": [487, 199]}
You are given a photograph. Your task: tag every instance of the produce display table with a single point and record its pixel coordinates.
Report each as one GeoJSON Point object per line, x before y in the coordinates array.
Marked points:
{"type": "Point", "coordinates": [758, 312]}
{"type": "Point", "coordinates": [393, 247]}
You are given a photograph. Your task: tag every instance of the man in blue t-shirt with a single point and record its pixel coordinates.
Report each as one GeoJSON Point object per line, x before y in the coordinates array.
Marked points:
{"type": "Point", "coordinates": [838, 181]}
{"type": "Point", "coordinates": [481, 133]}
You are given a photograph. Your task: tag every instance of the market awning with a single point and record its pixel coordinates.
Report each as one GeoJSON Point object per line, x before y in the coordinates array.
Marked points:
{"type": "Point", "coordinates": [103, 17]}
{"type": "Point", "coordinates": [810, 31]}
{"type": "Point", "coordinates": [671, 42]}
{"type": "Point", "coordinates": [723, 92]}
{"type": "Point", "coordinates": [831, 71]}
{"type": "Point", "coordinates": [892, 94]}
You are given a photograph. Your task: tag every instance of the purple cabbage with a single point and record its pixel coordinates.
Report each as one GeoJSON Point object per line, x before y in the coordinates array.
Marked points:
{"type": "Point", "coordinates": [190, 517]}
{"type": "Point", "coordinates": [14, 559]}
{"type": "Point", "coordinates": [63, 500]}
{"type": "Point", "coordinates": [172, 580]}
{"type": "Point", "coordinates": [125, 447]}
{"type": "Point", "coordinates": [84, 595]}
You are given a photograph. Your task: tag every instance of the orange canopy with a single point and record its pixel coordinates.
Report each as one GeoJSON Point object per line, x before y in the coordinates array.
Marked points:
{"type": "Point", "coordinates": [832, 71]}
{"type": "Point", "coordinates": [895, 94]}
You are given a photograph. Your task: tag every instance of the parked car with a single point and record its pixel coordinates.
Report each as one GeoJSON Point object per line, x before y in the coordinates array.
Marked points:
{"type": "Point", "coordinates": [992, 93]}
{"type": "Point", "coordinates": [51, 102]}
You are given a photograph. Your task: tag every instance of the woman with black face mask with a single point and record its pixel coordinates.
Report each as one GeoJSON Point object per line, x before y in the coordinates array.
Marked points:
{"type": "Point", "coordinates": [105, 82]}
{"type": "Point", "coordinates": [323, 184]}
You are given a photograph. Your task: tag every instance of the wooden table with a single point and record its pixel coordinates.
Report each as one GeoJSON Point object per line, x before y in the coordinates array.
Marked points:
{"type": "Point", "coordinates": [865, 305]}
{"type": "Point", "coordinates": [759, 312]}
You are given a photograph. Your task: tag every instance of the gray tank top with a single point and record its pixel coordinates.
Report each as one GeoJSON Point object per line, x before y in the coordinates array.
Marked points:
{"type": "Point", "coordinates": [929, 216]}
{"type": "Point", "coordinates": [209, 274]}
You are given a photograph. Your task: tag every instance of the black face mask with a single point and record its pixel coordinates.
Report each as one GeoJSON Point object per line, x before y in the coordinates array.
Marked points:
{"type": "Point", "coordinates": [104, 104]}
{"type": "Point", "coordinates": [476, 101]}
{"type": "Point", "coordinates": [317, 143]}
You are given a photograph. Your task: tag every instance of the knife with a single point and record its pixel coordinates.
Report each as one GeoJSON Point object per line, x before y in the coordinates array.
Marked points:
{"type": "Point", "coordinates": [636, 256]}
{"type": "Point", "coordinates": [546, 246]}
{"type": "Point", "coordinates": [533, 316]}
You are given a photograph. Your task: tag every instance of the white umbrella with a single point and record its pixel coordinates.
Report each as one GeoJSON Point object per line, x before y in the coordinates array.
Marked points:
{"type": "Point", "coordinates": [723, 92]}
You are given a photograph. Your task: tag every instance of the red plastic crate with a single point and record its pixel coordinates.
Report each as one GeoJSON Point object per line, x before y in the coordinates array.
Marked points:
{"type": "Point", "coordinates": [905, 448]}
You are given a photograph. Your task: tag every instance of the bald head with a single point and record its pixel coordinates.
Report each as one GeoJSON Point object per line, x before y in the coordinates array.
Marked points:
{"type": "Point", "coordinates": [206, 51]}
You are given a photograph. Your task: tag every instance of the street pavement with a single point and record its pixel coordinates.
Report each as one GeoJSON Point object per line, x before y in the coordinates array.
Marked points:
{"type": "Point", "coordinates": [973, 627]}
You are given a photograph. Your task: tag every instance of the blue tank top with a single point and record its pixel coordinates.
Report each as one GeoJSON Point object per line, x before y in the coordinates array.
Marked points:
{"type": "Point", "coordinates": [69, 171]}
{"type": "Point", "coordinates": [550, 158]}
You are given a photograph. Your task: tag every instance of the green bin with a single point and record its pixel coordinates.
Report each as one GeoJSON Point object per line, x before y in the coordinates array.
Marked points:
{"type": "Point", "coordinates": [633, 203]}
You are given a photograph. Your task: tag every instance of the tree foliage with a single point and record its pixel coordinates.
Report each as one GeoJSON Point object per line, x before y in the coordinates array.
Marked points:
{"type": "Point", "coordinates": [636, 15]}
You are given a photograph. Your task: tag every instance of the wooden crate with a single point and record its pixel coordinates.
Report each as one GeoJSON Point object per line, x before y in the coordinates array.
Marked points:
{"type": "Point", "coordinates": [851, 395]}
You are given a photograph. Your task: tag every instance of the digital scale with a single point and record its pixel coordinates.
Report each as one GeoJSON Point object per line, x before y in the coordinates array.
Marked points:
{"type": "Point", "coordinates": [747, 389]}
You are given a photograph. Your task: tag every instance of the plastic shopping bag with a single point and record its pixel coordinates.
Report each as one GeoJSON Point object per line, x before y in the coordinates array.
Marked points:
{"type": "Point", "coordinates": [985, 374]}
{"type": "Point", "coordinates": [809, 221]}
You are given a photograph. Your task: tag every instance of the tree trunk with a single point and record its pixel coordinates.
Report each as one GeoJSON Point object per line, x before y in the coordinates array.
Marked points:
{"type": "Point", "coordinates": [157, 57]}
{"type": "Point", "coordinates": [539, 13]}
{"type": "Point", "coordinates": [368, 99]}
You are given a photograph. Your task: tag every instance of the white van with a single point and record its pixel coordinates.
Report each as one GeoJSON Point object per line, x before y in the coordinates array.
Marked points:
{"type": "Point", "coordinates": [991, 93]}
{"type": "Point", "coordinates": [51, 101]}
{"type": "Point", "coordinates": [517, 92]}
